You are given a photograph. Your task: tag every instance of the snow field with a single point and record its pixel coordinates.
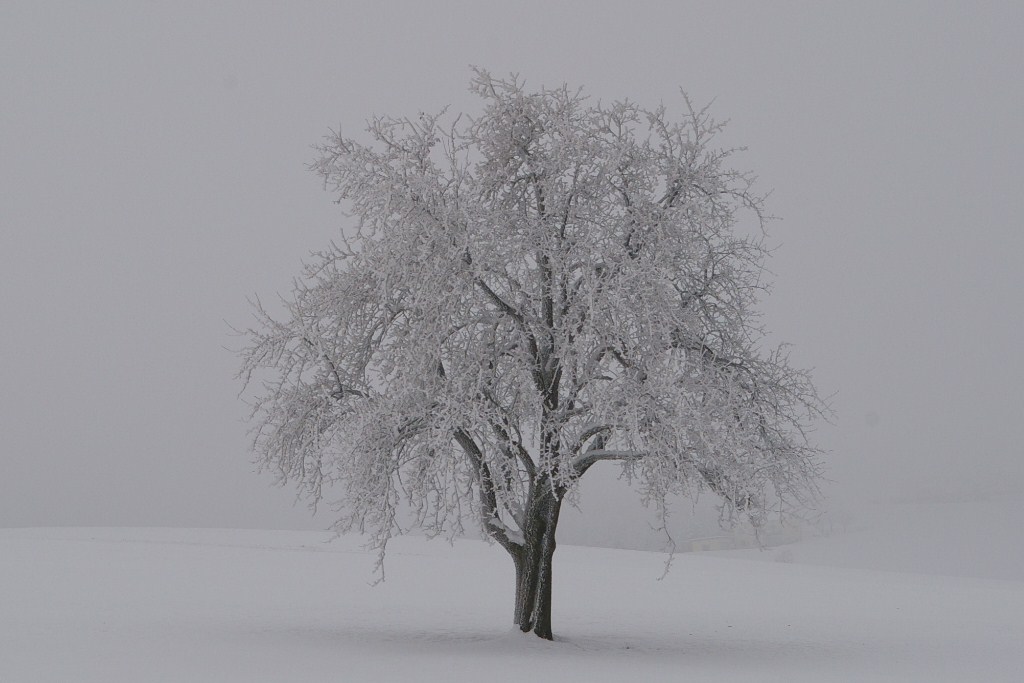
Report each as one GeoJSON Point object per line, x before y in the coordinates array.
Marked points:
{"type": "Point", "coordinates": [226, 605]}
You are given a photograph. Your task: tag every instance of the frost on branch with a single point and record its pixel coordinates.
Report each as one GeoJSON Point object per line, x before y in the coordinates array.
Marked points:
{"type": "Point", "coordinates": [526, 292]}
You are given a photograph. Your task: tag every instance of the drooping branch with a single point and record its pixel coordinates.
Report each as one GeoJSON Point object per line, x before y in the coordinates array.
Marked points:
{"type": "Point", "coordinates": [341, 390]}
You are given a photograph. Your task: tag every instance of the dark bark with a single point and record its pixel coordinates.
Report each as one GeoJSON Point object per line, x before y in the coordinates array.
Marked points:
{"type": "Point", "coordinates": [533, 562]}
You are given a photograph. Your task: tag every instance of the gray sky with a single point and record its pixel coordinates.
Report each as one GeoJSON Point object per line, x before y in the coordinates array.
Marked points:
{"type": "Point", "coordinates": [152, 171]}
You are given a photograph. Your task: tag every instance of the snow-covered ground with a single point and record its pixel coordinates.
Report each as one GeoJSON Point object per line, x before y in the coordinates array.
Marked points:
{"type": "Point", "coordinates": [971, 539]}
{"type": "Point", "coordinates": [117, 605]}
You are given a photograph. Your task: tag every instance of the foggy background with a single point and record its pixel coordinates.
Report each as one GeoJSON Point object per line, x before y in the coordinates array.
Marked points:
{"type": "Point", "coordinates": [152, 177]}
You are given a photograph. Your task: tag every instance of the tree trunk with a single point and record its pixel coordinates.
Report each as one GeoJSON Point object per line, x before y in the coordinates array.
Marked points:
{"type": "Point", "coordinates": [533, 563]}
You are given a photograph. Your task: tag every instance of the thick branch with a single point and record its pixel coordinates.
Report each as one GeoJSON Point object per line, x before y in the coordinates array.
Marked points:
{"type": "Point", "coordinates": [488, 499]}
{"type": "Point", "coordinates": [588, 459]}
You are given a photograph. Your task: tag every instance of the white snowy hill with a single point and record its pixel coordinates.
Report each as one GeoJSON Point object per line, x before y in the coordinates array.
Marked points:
{"type": "Point", "coordinates": [968, 538]}
{"type": "Point", "coordinates": [111, 605]}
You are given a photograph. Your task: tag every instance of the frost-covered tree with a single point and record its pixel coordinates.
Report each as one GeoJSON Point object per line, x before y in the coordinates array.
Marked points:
{"type": "Point", "coordinates": [523, 294]}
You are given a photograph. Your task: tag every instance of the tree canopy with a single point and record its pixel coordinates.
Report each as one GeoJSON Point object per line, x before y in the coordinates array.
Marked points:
{"type": "Point", "coordinates": [550, 283]}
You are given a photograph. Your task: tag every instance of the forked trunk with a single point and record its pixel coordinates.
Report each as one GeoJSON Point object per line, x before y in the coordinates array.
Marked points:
{"type": "Point", "coordinates": [533, 565]}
